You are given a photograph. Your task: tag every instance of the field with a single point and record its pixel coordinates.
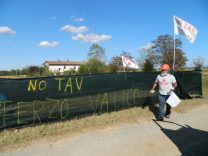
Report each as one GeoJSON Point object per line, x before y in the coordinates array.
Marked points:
{"type": "Point", "coordinates": [14, 77]}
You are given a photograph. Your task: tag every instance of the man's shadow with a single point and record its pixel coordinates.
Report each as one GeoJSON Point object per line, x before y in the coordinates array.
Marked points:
{"type": "Point", "coordinates": [190, 141]}
{"type": "Point", "coordinates": [152, 104]}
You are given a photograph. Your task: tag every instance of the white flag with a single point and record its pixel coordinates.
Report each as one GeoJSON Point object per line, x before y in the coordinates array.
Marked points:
{"type": "Point", "coordinates": [129, 63]}
{"type": "Point", "coordinates": [184, 28]}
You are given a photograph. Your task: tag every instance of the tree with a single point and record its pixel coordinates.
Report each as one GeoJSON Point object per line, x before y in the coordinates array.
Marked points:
{"type": "Point", "coordinates": [44, 71]}
{"type": "Point", "coordinates": [147, 66]}
{"type": "Point", "coordinates": [84, 69]}
{"type": "Point", "coordinates": [145, 53]}
{"type": "Point", "coordinates": [70, 72]}
{"type": "Point", "coordinates": [115, 64]}
{"type": "Point", "coordinates": [163, 48]}
{"type": "Point", "coordinates": [10, 72]}
{"type": "Point", "coordinates": [198, 63]}
{"type": "Point", "coordinates": [97, 52]}
{"type": "Point", "coordinates": [24, 71]}
{"type": "Point", "coordinates": [93, 66]}
{"type": "Point", "coordinates": [126, 54]}
{"type": "Point", "coordinates": [36, 71]}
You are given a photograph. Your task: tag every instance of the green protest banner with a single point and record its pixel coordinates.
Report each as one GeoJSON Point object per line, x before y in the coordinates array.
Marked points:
{"type": "Point", "coordinates": [42, 99]}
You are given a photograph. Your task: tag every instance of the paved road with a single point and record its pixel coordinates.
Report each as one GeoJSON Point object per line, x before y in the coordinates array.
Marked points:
{"type": "Point", "coordinates": [183, 134]}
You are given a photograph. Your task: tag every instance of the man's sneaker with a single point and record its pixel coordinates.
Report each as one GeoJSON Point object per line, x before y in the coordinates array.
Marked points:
{"type": "Point", "coordinates": [167, 115]}
{"type": "Point", "coordinates": [160, 119]}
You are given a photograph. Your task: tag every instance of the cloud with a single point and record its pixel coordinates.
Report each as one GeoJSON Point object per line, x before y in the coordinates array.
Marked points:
{"type": "Point", "coordinates": [47, 44]}
{"type": "Point", "coordinates": [93, 38]}
{"type": "Point", "coordinates": [6, 31]}
{"type": "Point", "coordinates": [73, 29]}
{"type": "Point", "coordinates": [79, 19]}
{"type": "Point", "coordinates": [53, 17]}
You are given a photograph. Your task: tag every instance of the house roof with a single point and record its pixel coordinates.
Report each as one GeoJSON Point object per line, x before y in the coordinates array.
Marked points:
{"type": "Point", "coordinates": [64, 62]}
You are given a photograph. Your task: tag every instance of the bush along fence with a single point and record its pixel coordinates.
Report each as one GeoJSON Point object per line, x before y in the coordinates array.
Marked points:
{"type": "Point", "coordinates": [43, 99]}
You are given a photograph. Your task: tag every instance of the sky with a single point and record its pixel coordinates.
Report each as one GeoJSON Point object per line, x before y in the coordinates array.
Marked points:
{"type": "Point", "coordinates": [35, 31]}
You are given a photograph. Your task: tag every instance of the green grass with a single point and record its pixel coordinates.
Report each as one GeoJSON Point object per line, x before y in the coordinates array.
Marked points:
{"type": "Point", "coordinates": [14, 138]}
{"type": "Point", "coordinates": [205, 84]}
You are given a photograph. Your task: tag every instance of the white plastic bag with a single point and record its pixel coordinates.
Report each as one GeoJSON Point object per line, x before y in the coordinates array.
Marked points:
{"type": "Point", "coordinates": [173, 100]}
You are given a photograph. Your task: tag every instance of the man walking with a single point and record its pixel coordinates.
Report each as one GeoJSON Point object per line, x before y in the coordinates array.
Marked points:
{"type": "Point", "coordinates": [167, 83]}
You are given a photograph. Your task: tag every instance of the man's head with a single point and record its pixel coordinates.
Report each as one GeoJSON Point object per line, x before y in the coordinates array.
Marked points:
{"type": "Point", "coordinates": [165, 68]}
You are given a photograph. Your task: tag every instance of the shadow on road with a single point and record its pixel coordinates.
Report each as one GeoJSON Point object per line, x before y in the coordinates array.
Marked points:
{"type": "Point", "coordinates": [152, 105]}
{"type": "Point", "coordinates": [190, 141]}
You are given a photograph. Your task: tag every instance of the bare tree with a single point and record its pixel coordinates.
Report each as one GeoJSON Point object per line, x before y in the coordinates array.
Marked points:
{"type": "Point", "coordinates": [198, 63]}
{"type": "Point", "coordinates": [145, 53]}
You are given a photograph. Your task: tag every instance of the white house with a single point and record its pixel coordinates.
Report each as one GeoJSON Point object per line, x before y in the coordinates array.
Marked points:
{"type": "Point", "coordinates": [61, 66]}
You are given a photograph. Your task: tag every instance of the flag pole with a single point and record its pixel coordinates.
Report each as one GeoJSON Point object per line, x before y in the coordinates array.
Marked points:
{"type": "Point", "coordinates": [173, 44]}
{"type": "Point", "coordinates": [174, 52]}
{"type": "Point", "coordinates": [123, 67]}
{"type": "Point", "coordinates": [122, 64]}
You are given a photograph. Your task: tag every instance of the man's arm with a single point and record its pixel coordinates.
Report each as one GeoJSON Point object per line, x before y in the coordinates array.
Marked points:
{"type": "Point", "coordinates": [153, 88]}
{"type": "Point", "coordinates": [174, 86]}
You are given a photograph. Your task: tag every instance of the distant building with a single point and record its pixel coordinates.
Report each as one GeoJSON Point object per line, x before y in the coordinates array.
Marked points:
{"type": "Point", "coordinates": [61, 66]}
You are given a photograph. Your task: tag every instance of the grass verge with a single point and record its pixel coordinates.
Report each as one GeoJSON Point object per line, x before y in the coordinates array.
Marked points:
{"type": "Point", "coordinates": [13, 138]}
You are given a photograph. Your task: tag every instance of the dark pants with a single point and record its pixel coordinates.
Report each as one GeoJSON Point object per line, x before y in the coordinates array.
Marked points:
{"type": "Point", "coordinates": [162, 100]}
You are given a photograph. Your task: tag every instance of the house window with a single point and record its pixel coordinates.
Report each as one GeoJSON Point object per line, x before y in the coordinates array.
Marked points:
{"type": "Point", "coordinates": [74, 67]}
{"type": "Point", "coordinates": [59, 69]}
{"type": "Point", "coordinates": [64, 67]}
